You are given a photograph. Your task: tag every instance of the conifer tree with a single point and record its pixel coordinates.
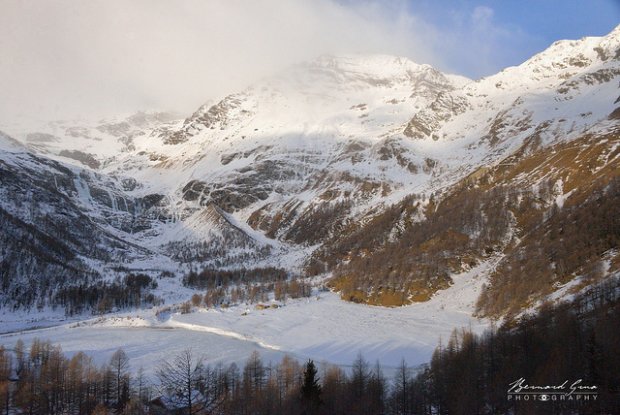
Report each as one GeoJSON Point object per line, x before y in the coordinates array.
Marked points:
{"type": "Point", "coordinates": [310, 390]}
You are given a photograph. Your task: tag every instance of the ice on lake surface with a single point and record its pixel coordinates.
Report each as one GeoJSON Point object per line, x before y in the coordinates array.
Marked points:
{"type": "Point", "coordinates": [146, 347]}
{"type": "Point", "coordinates": [322, 328]}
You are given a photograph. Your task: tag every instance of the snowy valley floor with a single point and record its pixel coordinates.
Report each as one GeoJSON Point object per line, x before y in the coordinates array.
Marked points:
{"type": "Point", "coordinates": [323, 328]}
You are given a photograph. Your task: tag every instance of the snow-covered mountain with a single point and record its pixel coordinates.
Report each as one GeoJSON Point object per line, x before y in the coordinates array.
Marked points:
{"type": "Point", "coordinates": [291, 170]}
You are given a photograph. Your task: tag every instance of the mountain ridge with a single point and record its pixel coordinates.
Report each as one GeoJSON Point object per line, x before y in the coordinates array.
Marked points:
{"type": "Point", "coordinates": [286, 172]}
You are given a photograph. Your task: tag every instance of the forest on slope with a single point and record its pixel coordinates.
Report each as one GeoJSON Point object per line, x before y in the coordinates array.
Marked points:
{"type": "Point", "coordinates": [551, 213]}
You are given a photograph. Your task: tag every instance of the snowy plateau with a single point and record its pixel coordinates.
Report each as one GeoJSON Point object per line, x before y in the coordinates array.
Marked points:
{"type": "Point", "coordinates": [276, 176]}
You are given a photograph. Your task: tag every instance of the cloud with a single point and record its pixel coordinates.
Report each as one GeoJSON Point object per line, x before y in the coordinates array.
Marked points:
{"type": "Point", "coordinates": [69, 57]}
{"type": "Point", "coordinates": [482, 16]}
{"type": "Point", "coordinates": [484, 37]}
{"type": "Point", "coordinates": [474, 43]}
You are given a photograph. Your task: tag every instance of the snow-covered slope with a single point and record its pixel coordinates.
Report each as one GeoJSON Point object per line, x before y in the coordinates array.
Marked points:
{"type": "Point", "coordinates": [317, 136]}
{"type": "Point", "coordinates": [268, 175]}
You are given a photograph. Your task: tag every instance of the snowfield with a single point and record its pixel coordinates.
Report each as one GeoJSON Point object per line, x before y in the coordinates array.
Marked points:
{"type": "Point", "coordinates": [322, 327]}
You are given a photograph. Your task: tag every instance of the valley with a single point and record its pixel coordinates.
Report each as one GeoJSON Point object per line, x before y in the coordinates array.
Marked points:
{"type": "Point", "coordinates": [350, 204]}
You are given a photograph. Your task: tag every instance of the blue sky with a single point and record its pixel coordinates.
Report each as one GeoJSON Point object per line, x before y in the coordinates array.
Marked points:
{"type": "Point", "coordinates": [506, 32]}
{"type": "Point", "coordinates": [547, 19]}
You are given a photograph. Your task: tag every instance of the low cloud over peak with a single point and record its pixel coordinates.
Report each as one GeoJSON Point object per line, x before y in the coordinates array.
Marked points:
{"type": "Point", "coordinates": [69, 58]}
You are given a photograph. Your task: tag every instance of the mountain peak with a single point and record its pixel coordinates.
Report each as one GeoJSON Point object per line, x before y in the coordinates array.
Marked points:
{"type": "Point", "coordinates": [375, 63]}
{"type": "Point", "coordinates": [579, 53]}
{"type": "Point", "coordinates": [614, 34]}
{"type": "Point", "coordinates": [372, 70]}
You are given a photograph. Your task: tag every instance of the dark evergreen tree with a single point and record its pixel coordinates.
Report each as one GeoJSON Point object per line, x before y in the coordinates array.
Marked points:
{"type": "Point", "coordinates": [310, 390]}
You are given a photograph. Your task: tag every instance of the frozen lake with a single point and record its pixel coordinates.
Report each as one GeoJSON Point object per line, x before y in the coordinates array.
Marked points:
{"type": "Point", "coordinates": [146, 347]}
{"type": "Point", "coordinates": [322, 327]}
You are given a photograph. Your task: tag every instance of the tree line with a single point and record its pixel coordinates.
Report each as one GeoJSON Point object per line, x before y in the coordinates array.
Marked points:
{"type": "Point", "coordinates": [101, 297]}
{"type": "Point", "coordinates": [569, 342]}
{"type": "Point", "coordinates": [568, 241]}
{"type": "Point", "coordinates": [397, 258]}
{"type": "Point", "coordinates": [41, 380]}
{"type": "Point", "coordinates": [88, 293]}
{"type": "Point", "coordinates": [229, 287]}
